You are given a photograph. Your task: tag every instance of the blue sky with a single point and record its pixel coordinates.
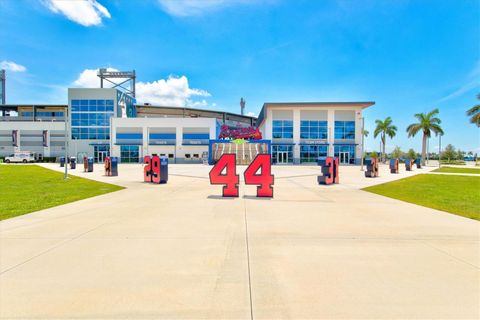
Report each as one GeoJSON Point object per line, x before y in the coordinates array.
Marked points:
{"type": "Point", "coordinates": [407, 56]}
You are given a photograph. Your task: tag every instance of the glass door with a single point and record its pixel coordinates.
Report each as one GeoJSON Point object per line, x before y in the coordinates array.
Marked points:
{"type": "Point", "coordinates": [344, 157]}
{"type": "Point", "coordinates": [101, 156]}
{"type": "Point", "coordinates": [282, 157]}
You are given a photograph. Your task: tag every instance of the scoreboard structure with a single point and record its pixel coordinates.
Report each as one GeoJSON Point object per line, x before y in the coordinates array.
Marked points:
{"type": "Point", "coordinates": [245, 151]}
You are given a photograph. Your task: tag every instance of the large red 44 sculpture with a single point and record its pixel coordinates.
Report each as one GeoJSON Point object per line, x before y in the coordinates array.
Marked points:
{"type": "Point", "coordinates": [230, 179]}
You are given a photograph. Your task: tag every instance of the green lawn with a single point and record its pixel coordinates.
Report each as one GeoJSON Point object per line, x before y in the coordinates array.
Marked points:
{"type": "Point", "coordinates": [458, 170]}
{"type": "Point", "coordinates": [455, 194]}
{"type": "Point", "coordinates": [28, 188]}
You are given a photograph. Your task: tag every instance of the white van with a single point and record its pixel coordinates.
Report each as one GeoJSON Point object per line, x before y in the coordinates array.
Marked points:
{"type": "Point", "coordinates": [23, 156]}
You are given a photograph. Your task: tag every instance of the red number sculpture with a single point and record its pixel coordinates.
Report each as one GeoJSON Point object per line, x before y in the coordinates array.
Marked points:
{"type": "Point", "coordinates": [156, 169]}
{"type": "Point", "coordinates": [264, 179]}
{"type": "Point", "coordinates": [327, 171]}
{"type": "Point", "coordinates": [336, 176]}
{"type": "Point", "coordinates": [147, 170]}
{"type": "Point", "coordinates": [230, 179]}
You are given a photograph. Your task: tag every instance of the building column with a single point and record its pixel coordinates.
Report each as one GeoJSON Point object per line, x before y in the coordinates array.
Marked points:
{"type": "Point", "coordinates": [178, 143]}
{"type": "Point", "coordinates": [331, 131]}
{"type": "Point", "coordinates": [358, 135]}
{"type": "Point", "coordinates": [145, 141]}
{"type": "Point", "coordinates": [296, 136]}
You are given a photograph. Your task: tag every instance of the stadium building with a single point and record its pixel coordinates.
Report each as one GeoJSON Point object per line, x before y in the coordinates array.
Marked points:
{"type": "Point", "coordinates": [107, 121]}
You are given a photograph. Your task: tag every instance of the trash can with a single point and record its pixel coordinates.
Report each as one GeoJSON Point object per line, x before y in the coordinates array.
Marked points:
{"type": "Point", "coordinates": [90, 164]}
{"type": "Point", "coordinates": [163, 169]}
{"type": "Point", "coordinates": [62, 161]}
{"type": "Point", "coordinates": [418, 162]}
{"type": "Point", "coordinates": [408, 164]}
{"type": "Point", "coordinates": [85, 164]}
{"type": "Point", "coordinates": [73, 162]}
{"type": "Point", "coordinates": [114, 166]}
{"type": "Point", "coordinates": [394, 165]}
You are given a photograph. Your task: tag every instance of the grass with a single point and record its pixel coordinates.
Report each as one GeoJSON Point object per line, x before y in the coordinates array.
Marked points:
{"type": "Point", "coordinates": [29, 188]}
{"type": "Point", "coordinates": [455, 194]}
{"type": "Point", "coordinates": [457, 170]}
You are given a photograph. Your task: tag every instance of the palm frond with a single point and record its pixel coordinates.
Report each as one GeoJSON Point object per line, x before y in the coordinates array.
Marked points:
{"type": "Point", "coordinates": [413, 129]}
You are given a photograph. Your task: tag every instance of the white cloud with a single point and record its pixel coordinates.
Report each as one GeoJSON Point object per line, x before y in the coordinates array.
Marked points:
{"type": "Point", "coordinates": [84, 12]}
{"type": "Point", "coordinates": [12, 66]}
{"type": "Point", "coordinates": [184, 8]}
{"type": "Point", "coordinates": [251, 114]}
{"type": "Point", "coordinates": [173, 91]}
{"type": "Point", "coordinates": [473, 81]}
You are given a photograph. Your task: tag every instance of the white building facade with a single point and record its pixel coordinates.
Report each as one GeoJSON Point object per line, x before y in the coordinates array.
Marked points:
{"type": "Point", "coordinates": [302, 132]}
{"type": "Point", "coordinates": [182, 140]}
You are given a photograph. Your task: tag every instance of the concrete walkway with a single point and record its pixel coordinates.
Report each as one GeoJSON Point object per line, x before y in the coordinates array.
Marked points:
{"type": "Point", "coordinates": [180, 251]}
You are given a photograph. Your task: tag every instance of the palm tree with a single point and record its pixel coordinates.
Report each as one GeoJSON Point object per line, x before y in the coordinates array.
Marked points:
{"type": "Point", "coordinates": [474, 113]}
{"type": "Point", "coordinates": [426, 123]}
{"type": "Point", "coordinates": [385, 128]}
{"type": "Point", "coordinates": [366, 133]}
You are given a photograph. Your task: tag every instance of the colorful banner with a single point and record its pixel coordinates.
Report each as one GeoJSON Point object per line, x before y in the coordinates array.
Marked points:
{"type": "Point", "coordinates": [15, 138]}
{"type": "Point", "coordinates": [45, 142]}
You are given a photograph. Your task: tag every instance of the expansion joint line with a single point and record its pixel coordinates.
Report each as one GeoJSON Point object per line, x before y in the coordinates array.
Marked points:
{"type": "Point", "coordinates": [248, 259]}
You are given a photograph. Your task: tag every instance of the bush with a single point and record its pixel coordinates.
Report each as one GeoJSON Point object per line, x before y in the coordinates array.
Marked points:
{"type": "Point", "coordinates": [373, 155]}
{"type": "Point", "coordinates": [457, 162]}
{"type": "Point", "coordinates": [49, 159]}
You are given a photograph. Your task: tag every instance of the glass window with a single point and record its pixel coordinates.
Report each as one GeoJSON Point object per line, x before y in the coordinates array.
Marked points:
{"type": "Point", "coordinates": [311, 153]}
{"type": "Point", "coordinates": [314, 129]}
{"type": "Point", "coordinates": [90, 119]}
{"type": "Point", "coordinates": [282, 129]}
{"type": "Point", "coordinates": [345, 130]}
{"type": "Point", "coordinates": [129, 154]}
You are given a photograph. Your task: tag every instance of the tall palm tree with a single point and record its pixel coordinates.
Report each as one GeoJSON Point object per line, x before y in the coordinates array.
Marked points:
{"type": "Point", "coordinates": [474, 113]}
{"type": "Point", "coordinates": [427, 123]}
{"type": "Point", "coordinates": [385, 128]}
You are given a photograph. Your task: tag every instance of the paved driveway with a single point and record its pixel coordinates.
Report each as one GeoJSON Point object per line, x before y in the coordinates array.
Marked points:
{"type": "Point", "coordinates": [179, 251]}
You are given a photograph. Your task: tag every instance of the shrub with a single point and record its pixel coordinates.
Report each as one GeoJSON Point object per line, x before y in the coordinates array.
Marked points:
{"type": "Point", "coordinates": [411, 154]}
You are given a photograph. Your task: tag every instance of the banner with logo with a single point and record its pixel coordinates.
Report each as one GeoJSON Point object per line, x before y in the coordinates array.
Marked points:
{"type": "Point", "coordinates": [15, 138]}
{"type": "Point", "coordinates": [45, 142]}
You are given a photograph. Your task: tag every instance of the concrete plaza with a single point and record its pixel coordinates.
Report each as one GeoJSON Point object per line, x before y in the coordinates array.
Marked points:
{"type": "Point", "coordinates": [181, 251]}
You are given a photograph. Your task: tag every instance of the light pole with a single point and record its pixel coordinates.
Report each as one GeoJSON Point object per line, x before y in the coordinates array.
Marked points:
{"type": "Point", "coordinates": [65, 177]}
{"type": "Point", "coordinates": [363, 144]}
{"type": "Point", "coordinates": [428, 142]}
{"type": "Point", "coordinates": [439, 149]}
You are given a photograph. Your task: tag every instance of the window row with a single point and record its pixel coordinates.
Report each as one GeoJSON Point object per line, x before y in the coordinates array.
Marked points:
{"type": "Point", "coordinates": [43, 114]}
{"type": "Point", "coordinates": [102, 108]}
{"type": "Point", "coordinates": [90, 133]}
{"type": "Point", "coordinates": [84, 102]}
{"type": "Point", "coordinates": [91, 119]}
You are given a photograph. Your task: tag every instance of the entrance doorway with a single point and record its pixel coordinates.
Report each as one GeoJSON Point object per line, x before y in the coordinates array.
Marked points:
{"type": "Point", "coordinates": [282, 157]}
{"type": "Point", "coordinates": [344, 157]}
{"type": "Point", "coordinates": [101, 156]}
{"type": "Point", "coordinates": [100, 152]}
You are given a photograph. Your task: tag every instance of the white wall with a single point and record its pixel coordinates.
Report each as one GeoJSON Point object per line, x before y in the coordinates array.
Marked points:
{"type": "Point", "coordinates": [30, 134]}
{"type": "Point", "coordinates": [298, 113]}
{"type": "Point", "coordinates": [156, 125]}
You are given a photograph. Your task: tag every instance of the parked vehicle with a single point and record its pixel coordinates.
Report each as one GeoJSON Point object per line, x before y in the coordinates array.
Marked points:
{"type": "Point", "coordinates": [23, 156]}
